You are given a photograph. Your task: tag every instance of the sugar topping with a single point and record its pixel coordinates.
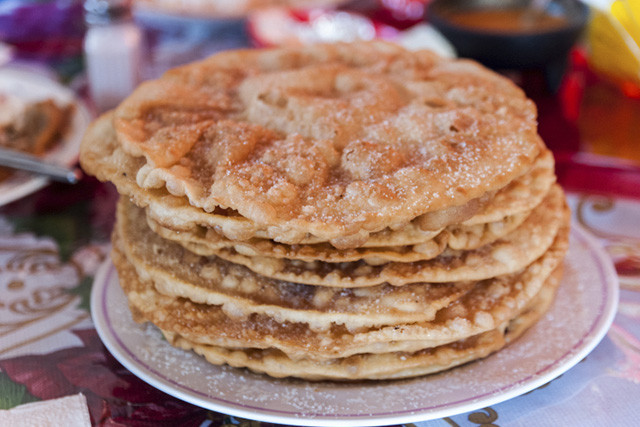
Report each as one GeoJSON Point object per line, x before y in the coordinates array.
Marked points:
{"type": "Point", "coordinates": [331, 138]}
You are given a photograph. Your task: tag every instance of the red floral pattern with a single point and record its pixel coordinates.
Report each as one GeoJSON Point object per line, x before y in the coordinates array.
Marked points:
{"type": "Point", "coordinates": [114, 395]}
{"type": "Point", "coordinates": [629, 267]}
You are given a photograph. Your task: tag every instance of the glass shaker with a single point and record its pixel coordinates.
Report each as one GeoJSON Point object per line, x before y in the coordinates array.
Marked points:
{"type": "Point", "coordinates": [113, 48]}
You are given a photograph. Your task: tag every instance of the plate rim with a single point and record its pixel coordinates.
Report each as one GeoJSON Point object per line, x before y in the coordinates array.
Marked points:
{"type": "Point", "coordinates": [609, 289]}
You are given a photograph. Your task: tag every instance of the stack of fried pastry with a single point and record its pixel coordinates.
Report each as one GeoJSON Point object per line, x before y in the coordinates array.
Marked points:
{"type": "Point", "coordinates": [343, 211]}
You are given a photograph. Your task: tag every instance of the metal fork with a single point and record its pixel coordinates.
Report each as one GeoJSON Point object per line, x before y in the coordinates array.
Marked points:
{"type": "Point", "coordinates": [17, 160]}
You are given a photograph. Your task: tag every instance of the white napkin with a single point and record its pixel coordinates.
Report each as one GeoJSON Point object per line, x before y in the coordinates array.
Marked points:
{"type": "Point", "coordinates": [69, 411]}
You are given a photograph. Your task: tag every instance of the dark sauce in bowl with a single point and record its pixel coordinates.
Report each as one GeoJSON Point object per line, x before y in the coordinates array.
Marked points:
{"type": "Point", "coordinates": [518, 20]}
{"type": "Point", "coordinates": [507, 34]}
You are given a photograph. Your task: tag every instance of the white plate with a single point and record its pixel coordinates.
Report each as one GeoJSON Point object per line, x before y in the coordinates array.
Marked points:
{"type": "Point", "coordinates": [33, 86]}
{"type": "Point", "coordinates": [589, 291]}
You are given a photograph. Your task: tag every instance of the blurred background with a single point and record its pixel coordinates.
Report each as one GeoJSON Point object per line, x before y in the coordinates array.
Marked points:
{"type": "Point", "coordinates": [579, 60]}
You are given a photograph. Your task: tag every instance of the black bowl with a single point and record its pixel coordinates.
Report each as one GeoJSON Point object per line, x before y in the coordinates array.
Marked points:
{"type": "Point", "coordinates": [512, 49]}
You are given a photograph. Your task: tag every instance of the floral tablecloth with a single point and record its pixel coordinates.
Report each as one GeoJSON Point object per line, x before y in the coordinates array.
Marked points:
{"type": "Point", "coordinates": [51, 244]}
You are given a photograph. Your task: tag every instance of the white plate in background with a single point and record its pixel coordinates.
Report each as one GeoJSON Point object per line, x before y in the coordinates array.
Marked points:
{"type": "Point", "coordinates": [32, 86]}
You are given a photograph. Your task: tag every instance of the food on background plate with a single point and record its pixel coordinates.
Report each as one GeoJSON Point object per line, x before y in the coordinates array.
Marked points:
{"type": "Point", "coordinates": [31, 127]}
{"type": "Point", "coordinates": [334, 211]}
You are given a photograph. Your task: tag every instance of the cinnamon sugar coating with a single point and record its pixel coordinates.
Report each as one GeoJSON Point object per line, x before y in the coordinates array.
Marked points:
{"type": "Point", "coordinates": [334, 140]}
{"type": "Point", "coordinates": [347, 211]}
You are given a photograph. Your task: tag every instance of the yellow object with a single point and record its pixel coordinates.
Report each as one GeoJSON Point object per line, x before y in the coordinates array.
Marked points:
{"type": "Point", "coordinates": [614, 41]}
{"type": "Point", "coordinates": [627, 12]}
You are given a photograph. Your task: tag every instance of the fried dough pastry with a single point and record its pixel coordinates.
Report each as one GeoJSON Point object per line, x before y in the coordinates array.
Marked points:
{"type": "Point", "coordinates": [393, 365]}
{"type": "Point", "coordinates": [505, 255]}
{"type": "Point", "coordinates": [102, 156]}
{"type": "Point", "coordinates": [337, 141]}
{"type": "Point", "coordinates": [489, 304]}
{"type": "Point", "coordinates": [201, 241]}
{"type": "Point", "coordinates": [240, 292]}
{"type": "Point", "coordinates": [337, 211]}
